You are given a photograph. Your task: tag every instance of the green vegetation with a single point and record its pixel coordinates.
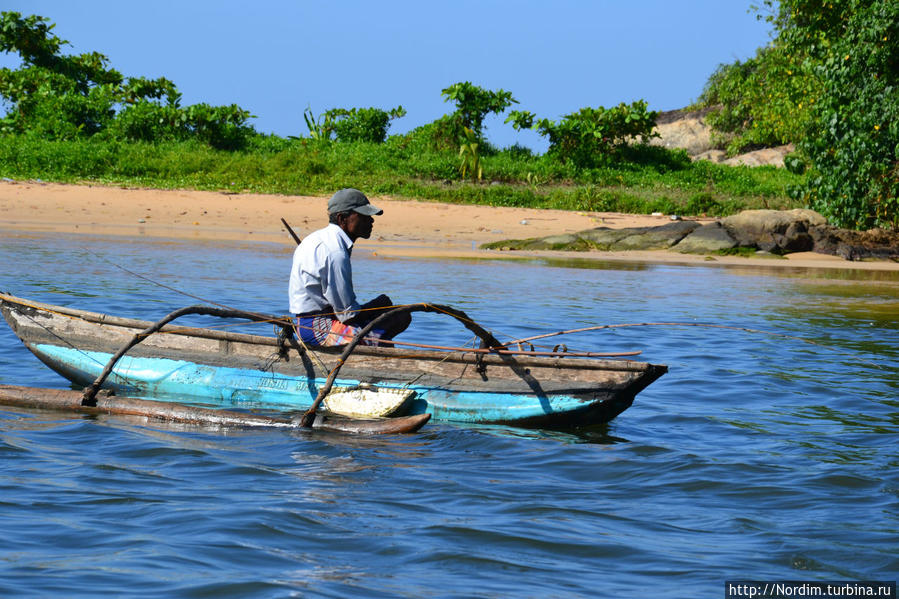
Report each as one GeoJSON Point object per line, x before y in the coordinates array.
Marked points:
{"type": "Point", "coordinates": [829, 82]}
{"type": "Point", "coordinates": [60, 97]}
{"type": "Point", "coordinates": [398, 167]}
{"type": "Point", "coordinates": [473, 104]}
{"type": "Point", "coordinates": [470, 157]}
{"type": "Point", "coordinates": [762, 102]}
{"type": "Point", "coordinates": [74, 119]}
{"type": "Point", "coordinates": [354, 124]}
{"type": "Point", "coordinates": [592, 135]}
{"type": "Point", "coordinates": [363, 124]}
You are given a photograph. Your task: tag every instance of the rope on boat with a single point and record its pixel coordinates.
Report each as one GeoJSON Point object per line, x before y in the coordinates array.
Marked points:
{"type": "Point", "coordinates": [89, 398]}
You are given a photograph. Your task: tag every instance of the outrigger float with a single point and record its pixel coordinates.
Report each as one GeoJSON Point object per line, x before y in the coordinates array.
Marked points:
{"type": "Point", "coordinates": [226, 377]}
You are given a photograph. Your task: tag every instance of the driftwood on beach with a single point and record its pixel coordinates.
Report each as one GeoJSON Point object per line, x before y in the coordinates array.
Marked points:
{"type": "Point", "coordinates": [772, 231]}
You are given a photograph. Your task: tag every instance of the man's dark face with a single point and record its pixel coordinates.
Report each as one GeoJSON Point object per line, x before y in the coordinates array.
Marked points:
{"type": "Point", "coordinates": [357, 225]}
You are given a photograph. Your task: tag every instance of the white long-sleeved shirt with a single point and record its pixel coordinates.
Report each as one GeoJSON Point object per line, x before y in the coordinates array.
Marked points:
{"type": "Point", "coordinates": [321, 274]}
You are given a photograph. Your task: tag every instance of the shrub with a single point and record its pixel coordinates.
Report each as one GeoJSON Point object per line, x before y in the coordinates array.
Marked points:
{"type": "Point", "coordinates": [362, 124]}
{"type": "Point", "coordinates": [146, 121]}
{"type": "Point", "coordinates": [441, 135]}
{"type": "Point", "coordinates": [591, 135]}
{"type": "Point", "coordinates": [473, 104]}
{"type": "Point", "coordinates": [222, 127]}
{"type": "Point", "coordinates": [762, 102]}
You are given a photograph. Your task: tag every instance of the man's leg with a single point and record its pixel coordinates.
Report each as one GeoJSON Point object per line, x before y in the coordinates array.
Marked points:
{"type": "Point", "coordinates": [392, 327]}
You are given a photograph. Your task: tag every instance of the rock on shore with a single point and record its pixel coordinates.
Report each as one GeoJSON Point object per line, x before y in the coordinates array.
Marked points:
{"type": "Point", "coordinates": [772, 231]}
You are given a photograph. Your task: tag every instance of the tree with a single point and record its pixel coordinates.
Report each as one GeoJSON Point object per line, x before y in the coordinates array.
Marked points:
{"type": "Point", "coordinates": [55, 96]}
{"type": "Point", "coordinates": [852, 135]}
{"type": "Point", "coordinates": [473, 104]}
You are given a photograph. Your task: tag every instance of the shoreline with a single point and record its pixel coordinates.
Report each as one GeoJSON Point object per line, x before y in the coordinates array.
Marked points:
{"type": "Point", "coordinates": [408, 228]}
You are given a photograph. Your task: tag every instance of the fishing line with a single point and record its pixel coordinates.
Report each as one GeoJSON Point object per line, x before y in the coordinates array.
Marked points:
{"type": "Point", "coordinates": [62, 339]}
{"type": "Point", "coordinates": [691, 324]}
{"type": "Point", "coordinates": [149, 280]}
{"type": "Point", "coordinates": [202, 299]}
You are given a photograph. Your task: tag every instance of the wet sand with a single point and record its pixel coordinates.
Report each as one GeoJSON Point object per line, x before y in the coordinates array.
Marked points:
{"type": "Point", "coordinates": [407, 228]}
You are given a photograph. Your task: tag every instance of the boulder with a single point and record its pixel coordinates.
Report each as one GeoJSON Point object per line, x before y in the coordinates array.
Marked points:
{"type": "Point", "coordinates": [795, 239]}
{"type": "Point", "coordinates": [855, 245]}
{"type": "Point", "coordinates": [689, 132]}
{"type": "Point", "coordinates": [763, 157]}
{"type": "Point", "coordinates": [604, 238]}
{"type": "Point", "coordinates": [657, 238]}
{"type": "Point", "coordinates": [706, 239]}
{"type": "Point", "coordinates": [776, 231]}
{"type": "Point", "coordinates": [553, 242]}
{"type": "Point", "coordinates": [566, 241]}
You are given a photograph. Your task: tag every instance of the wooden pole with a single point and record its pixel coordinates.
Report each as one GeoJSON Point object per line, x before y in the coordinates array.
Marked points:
{"type": "Point", "coordinates": [292, 234]}
{"type": "Point", "coordinates": [68, 400]}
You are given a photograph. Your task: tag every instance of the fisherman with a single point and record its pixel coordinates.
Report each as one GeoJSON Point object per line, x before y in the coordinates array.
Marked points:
{"type": "Point", "coordinates": [321, 280]}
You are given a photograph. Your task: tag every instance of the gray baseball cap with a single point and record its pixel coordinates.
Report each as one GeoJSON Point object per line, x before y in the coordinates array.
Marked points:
{"type": "Point", "coordinates": [352, 199]}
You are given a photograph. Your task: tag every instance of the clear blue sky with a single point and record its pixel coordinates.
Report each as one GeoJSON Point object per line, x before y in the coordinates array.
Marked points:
{"type": "Point", "coordinates": [276, 57]}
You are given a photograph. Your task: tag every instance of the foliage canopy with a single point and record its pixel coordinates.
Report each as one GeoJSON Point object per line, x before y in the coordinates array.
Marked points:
{"type": "Point", "coordinates": [473, 104]}
{"type": "Point", "coordinates": [55, 96]}
{"type": "Point", "coordinates": [829, 82]}
{"type": "Point", "coordinates": [852, 138]}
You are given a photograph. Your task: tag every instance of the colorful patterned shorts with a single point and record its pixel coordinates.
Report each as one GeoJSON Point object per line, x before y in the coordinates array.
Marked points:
{"type": "Point", "coordinates": [326, 331]}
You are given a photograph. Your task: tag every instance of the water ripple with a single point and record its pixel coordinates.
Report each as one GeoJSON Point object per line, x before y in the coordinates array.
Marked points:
{"type": "Point", "coordinates": [756, 457]}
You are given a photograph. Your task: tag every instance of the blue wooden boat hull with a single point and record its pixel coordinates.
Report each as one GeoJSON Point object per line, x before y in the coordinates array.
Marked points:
{"type": "Point", "coordinates": [225, 387]}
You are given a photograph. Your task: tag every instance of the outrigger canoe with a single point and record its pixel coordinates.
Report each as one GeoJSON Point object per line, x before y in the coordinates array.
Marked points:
{"type": "Point", "coordinates": [230, 370]}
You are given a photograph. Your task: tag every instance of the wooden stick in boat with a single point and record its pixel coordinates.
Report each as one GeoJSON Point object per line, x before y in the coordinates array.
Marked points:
{"type": "Point", "coordinates": [292, 234]}
{"type": "Point", "coordinates": [657, 324]}
{"type": "Point", "coordinates": [519, 352]}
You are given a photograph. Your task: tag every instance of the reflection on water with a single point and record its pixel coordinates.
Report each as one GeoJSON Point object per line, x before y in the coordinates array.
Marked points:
{"type": "Point", "coordinates": [756, 268]}
{"type": "Point", "coordinates": [758, 456]}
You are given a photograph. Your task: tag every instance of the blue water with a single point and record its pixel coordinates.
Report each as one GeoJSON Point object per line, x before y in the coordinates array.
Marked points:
{"type": "Point", "coordinates": [757, 457]}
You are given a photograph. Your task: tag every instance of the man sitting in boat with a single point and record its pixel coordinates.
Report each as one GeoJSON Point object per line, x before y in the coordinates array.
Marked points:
{"type": "Point", "coordinates": [321, 279]}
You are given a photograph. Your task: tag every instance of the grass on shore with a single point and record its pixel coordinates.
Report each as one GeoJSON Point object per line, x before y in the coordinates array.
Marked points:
{"type": "Point", "coordinates": [646, 180]}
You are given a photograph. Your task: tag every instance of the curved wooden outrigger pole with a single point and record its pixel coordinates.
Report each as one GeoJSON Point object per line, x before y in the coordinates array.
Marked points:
{"type": "Point", "coordinates": [487, 340]}
{"type": "Point", "coordinates": [89, 397]}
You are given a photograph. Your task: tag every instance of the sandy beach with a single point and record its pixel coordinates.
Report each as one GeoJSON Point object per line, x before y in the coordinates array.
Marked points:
{"type": "Point", "coordinates": [407, 228]}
